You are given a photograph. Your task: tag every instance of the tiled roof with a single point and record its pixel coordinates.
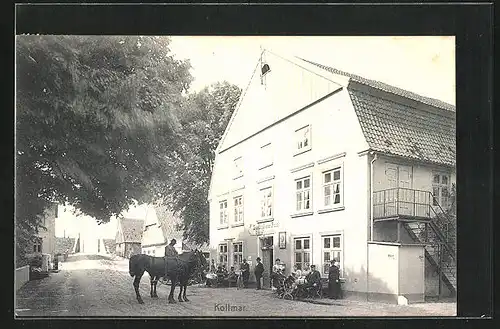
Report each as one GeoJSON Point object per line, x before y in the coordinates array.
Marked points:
{"type": "Point", "coordinates": [387, 88]}
{"type": "Point", "coordinates": [168, 222]}
{"type": "Point", "coordinates": [401, 130]}
{"type": "Point", "coordinates": [132, 229]}
{"type": "Point", "coordinates": [63, 244]}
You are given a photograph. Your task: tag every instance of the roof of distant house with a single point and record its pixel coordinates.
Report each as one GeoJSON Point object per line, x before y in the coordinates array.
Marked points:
{"type": "Point", "coordinates": [397, 128]}
{"type": "Point", "coordinates": [132, 229]}
{"type": "Point", "coordinates": [168, 222]}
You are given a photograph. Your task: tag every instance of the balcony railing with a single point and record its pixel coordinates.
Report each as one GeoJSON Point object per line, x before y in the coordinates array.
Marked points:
{"type": "Point", "coordinates": [402, 202]}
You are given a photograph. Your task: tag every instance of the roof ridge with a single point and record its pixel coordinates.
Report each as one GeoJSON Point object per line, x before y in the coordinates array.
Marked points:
{"type": "Point", "coordinates": [387, 87]}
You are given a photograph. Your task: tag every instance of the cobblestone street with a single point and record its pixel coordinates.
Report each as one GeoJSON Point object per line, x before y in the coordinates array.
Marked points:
{"type": "Point", "coordinates": [92, 285]}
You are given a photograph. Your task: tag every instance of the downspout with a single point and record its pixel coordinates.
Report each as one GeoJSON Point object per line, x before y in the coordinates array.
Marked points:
{"type": "Point", "coordinates": [371, 227]}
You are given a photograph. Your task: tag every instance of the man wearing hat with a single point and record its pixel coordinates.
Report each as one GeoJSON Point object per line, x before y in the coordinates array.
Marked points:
{"type": "Point", "coordinates": [314, 277]}
{"type": "Point", "coordinates": [259, 269]}
{"type": "Point", "coordinates": [245, 272]}
{"type": "Point", "coordinates": [334, 280]}
{"type": "Point", "coordinates": [170, 252]}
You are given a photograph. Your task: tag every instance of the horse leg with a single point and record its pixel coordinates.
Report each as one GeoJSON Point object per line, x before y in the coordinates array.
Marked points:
{"type": "Point", "coordinates": [155, 282]}
{"type": "Point", "coordinates": [171, 299]}
{"type": "Point", "coordinates": [137, 280]}
{"type": "Point", "coordinates": [184, 294]}
{"type": "Point", "coordinates": [181, 286]}
{"type": "Point", "coordinates": [151, 281]}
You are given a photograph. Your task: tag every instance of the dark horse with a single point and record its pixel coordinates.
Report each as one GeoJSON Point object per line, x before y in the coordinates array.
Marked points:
{"type": "Point", "coordinates": [179, 271]}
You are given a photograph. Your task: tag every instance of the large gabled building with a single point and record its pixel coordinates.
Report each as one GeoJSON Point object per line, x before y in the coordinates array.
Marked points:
{"type": "Point", "coordinates": [317, 164]}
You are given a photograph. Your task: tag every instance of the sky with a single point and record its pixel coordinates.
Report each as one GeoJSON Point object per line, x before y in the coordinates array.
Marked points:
{"type": "Point", "coordinates": [424, 65]}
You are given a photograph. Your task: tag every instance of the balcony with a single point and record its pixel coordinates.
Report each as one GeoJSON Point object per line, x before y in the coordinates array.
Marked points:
{"type": "Point", "coordinates": [402, 204]}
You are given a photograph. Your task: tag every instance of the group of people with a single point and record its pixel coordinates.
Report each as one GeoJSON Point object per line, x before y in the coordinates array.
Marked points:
{"type": "Point", "coordinates": [309, 277]}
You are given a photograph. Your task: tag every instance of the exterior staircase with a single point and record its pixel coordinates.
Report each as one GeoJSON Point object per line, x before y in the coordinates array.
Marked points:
{"type": "Point", "coordinates": [439, 237]}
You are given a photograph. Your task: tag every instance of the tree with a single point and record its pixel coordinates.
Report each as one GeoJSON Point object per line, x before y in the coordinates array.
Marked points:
{"type": "Point", "coordinates": [204, 118]}
{"type": "Point", "coordinates": [95, 123]}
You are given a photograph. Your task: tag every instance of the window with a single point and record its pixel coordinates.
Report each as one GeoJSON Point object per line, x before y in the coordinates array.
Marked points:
{"type": "Point", "coordinates": [441, 189]}
{"type": "Point", "coordinates": [331, 250]}
{"type": "Point", "coordinates": [237, 253]}
{"type": "Point", "coordinates": [37, 245]}
{"type": "Point", "coordinates": [238, 209]}
{"type": "Point", "coordinates": [238, 167]}
{"type": "Point", "coordinates": [332, 188]}
{"type": "Point", "coordinates": [267, 156]}
{"type": "Point", "coordinates": [266, 204]}
{"type": "Point", "coordinates": [303, 139]}
{"type": "Point", "coordinates": [223, 212]}
{"type": "Point", "coordinates": [302, 248]}
{"type": "Point", "coordinates": [303, 193]}
{"type": "Point", "coordinates": [223, 254]}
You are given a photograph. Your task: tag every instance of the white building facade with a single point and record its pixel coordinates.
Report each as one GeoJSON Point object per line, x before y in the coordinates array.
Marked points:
{"type": "Point", "coordinates": [293, 177]}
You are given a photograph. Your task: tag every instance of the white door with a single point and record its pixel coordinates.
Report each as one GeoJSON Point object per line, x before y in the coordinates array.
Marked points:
{"type": "Point", "coordinates": [398, 197]}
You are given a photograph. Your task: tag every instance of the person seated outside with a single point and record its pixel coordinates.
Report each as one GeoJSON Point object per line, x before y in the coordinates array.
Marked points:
{"type": "Point", "coordinates": [277, 273]}
{"type": "Point", "coordinates": [313, 278]}
{"type": "Point", "coordinates": [232, 277]}
{"type": "Point", "coordinates": [296, 271]}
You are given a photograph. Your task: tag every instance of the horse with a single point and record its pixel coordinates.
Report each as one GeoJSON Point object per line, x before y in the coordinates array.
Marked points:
{"type": "Point", "coordinates": [179, 270]}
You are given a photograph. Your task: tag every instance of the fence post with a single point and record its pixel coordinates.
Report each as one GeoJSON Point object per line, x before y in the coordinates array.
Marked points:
{"type": "Point", "coordinates": [440, 252]}
{"type": "Point", "coordinates": [397, 200]}
{"type": "Point", "coordinates": [385, 200]}
{"type": "Point", "coordinates": [414, 202]}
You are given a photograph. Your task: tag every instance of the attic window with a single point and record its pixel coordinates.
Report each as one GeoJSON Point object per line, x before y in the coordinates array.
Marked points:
{"type": "Point", "coordinates": [265, 69]}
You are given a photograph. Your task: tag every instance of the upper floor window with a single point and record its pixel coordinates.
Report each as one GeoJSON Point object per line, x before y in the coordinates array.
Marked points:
{"type": "Point", "coordinates": [238, 167]}
{"type": "Point", "coordinates": [303, 193]}
{"type": "Point", "coordinates": [303, 139]}
{"type": "Point", "coordinates": [267, 156]}
{"type": "Point", "coordinates": [441, 189]}
{"type": "Point", "coordinates": [266, 203]}
{"type": "Point", "coordinates": [238, 209]}
{"type": "Point", "coordinates": [332, 188]}
{"type": "Point", "coordinates": [223, 212]}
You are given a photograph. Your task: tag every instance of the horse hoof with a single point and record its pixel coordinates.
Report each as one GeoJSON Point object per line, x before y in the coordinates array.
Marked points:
{"type": "Point", "coordinates": [186, 300]}
{"type": "Point", "coordinates": [181, 300]}
{"type": "Point", "coordinates": [141, 301]}
{"type": "Point", "coordinates": [171, 301]}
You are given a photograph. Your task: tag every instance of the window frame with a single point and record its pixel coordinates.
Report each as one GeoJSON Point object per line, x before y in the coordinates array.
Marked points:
{"type": "Point", "coordinates": [341, 181]}
{"type": "Point", "coordinates": [440, 186]}
{"type": "Point", "coordinates": [302, 191]}
{"type": "Point", "coordinates": [239, 212]}
{"type": "Point", "coordinates": [302, 251]}
{"type": "Point", "coordinates": [271, 198]}
{"type": "Point", "coordinates": [240, 254]}
{"type": "Point", "coordinates": [223, 212]}
{"type": "Point", "coordinates": [222, 253]}
{"type": "Point", "coordinates": [37, 245]}
{"type": "Point", "coordinates": [331, 250]}
{"type": "Point", "coordinates": [297, 139]}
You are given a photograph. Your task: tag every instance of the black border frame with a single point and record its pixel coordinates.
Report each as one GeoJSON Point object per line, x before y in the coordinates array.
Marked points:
{"type": "Point", "coordinates": [472, 24]}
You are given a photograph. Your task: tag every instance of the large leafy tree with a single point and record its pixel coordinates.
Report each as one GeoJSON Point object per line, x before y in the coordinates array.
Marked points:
{"type": "Point", "coordinates": [95, 123]}
{"type": "Point", "coordinates": [204, 118]}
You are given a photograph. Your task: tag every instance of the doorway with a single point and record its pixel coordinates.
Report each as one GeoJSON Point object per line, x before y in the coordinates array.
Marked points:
{"type": "Point", "coordinates": [267, 246]}
{"type": "Point", "coordinates": [399, 199]}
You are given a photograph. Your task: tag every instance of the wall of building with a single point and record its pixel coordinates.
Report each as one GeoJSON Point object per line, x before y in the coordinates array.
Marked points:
{"type": "Point", "coordinates": [332, 121]}
{"type": "Point", "coordinates": [411, 273]}
{"type": "Point", "coordinates": [383, 272]}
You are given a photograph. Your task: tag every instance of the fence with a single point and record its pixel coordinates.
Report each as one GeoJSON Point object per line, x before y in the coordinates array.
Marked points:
{"type": "Point", "coordinates": [22, 276]}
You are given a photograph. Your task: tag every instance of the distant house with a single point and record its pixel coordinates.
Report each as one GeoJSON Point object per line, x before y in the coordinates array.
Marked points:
{"type": "Point", "coordinates": [110, 245]}
{"type": "Point", "coordinates": [64, 245]}
{"type": "Point", "coordinates": [128, 236]}
{"type": "Point", "coordinates": [160, 227]}
{"type": "Point", "coordinates": [45, 241]}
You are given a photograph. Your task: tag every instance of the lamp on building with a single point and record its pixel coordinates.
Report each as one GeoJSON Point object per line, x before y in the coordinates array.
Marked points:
{"type": "Point", "coordinates": [265, 69]}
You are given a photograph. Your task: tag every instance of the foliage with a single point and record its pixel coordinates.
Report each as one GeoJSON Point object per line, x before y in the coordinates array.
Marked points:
{"type": "Point", "coordinates": [204, 118]}
{"type": "Point", "coordinates": [95, 123]}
